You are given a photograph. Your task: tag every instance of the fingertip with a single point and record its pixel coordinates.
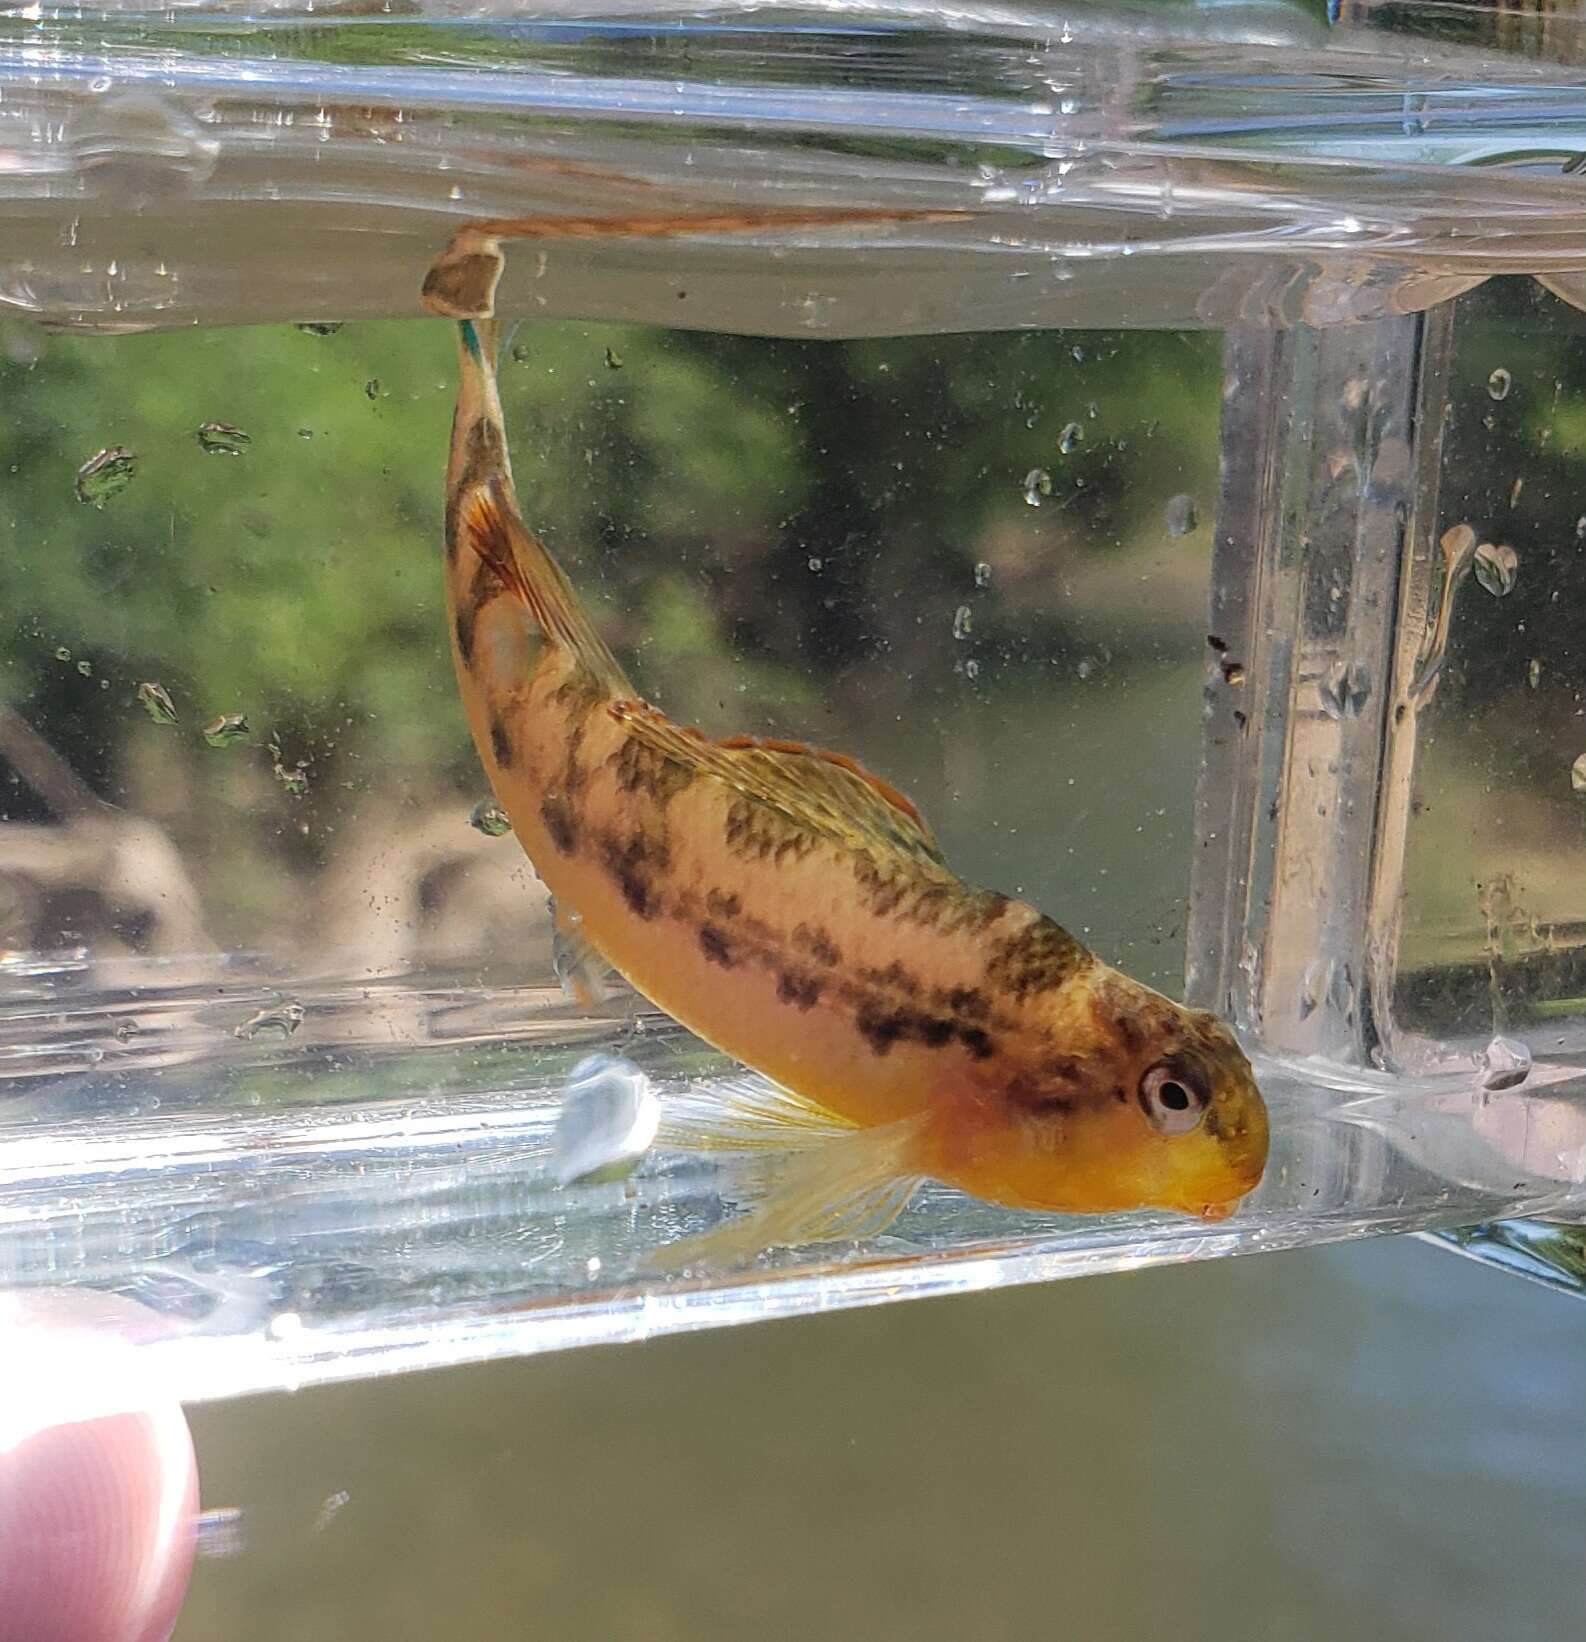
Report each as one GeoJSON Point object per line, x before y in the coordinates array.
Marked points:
{"type": "Point", "coordinates": [98, 1482]}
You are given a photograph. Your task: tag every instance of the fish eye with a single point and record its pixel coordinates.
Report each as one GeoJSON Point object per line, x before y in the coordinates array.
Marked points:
{"type": "Point", "coordinates": [1173, 1100]}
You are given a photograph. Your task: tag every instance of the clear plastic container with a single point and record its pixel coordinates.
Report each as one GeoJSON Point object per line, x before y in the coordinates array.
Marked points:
{"type": "Point", "coordinates": [1187, 304]}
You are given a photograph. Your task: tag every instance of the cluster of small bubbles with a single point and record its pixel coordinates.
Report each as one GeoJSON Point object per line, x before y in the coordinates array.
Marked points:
{"type": "Point", "coordinates": [1497, 568]}
{"type": "Point", "coordinates": [982, 574]}
{"type": "Point", "coordinates": [1506, 1064]}
{"type": "Point", "coordinates": [1345, 690]}
{"type": "Point", "coordinates": [1499, 383]}
{"type": "Point", "coordinates": [1037, 483]}
{"type": "Point", "coordinates": [963, 622]}
{"type": "Point", "coordinates": [488, 817]}
{"type": "Point", "coordinates": [1069, 440]}
{"type": "Point", "coordinates": [222, 438]}
{"type": "Point", "coordinates": [282, 1019]}
{"type": "Point", "coordinates": [1181, 515]}
{"type": "Point", "coordinates": [226, 729]}
{"type": "Point", "coordinates": [156, 701]}
{"type": "Point", "coordinates": [105, 474]}
{"type": "Point", "coordinates": [320, 327]}
{"type": "Point", "coordinates": [1577, 774]}
{"type": "Point", "coordinates": [293, 777]}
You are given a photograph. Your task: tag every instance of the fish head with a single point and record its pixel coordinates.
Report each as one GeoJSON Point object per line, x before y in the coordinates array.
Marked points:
{"type": "Point", "coordinates": [1134, 1102]}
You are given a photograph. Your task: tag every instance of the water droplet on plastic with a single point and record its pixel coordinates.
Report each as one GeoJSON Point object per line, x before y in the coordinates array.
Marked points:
{"type": "Point", "coordinates": [223, 439]}
{"type": "Point", "coordinates": [1037, 483]}
{"type": "Point", "coordinates": [613, 360]}
{"type": "Point", "coordinates": [488, 817]}
{"type": "Point", "coordinates": [86, 668]}
{"type": "Point", "coordinates": [1181, 515]}
{"type": "Point", "coordinates": [1497, 568]}
{"type": "Point", "coordinates": [1506, 1064]}
{"type": "Point", "coordinates": [971, 669]}
{"type": "Point", "coordinates": [157, 702]}
{"type": "Point", "coordinates": [320, 327]}
{"type": "Point", "coordinates": [963, 622]}
{"type": "Point", "coordinates": [282, 1019]}
{"type": "Point", "coordinates": [226, 730]}
{"type": "Point", "coordinates": [982, 574]}
{"type": "Point", "coordinates": [106, 474]}
{"type": "Point", "coordinates": [1069, 440]}
{"type": "Point", "coordinates": [1499, 383]}
{"type": "Point", "coordinates": [1577, 774]}
{"type": "Point", "coordinates": [1345, 690]}
{"type": "Point", "coordinates": [62, 653]}
{"type": "Point", "coordinates": [371, 388]}
{"type": "Point", "coordinates": [1533, 673]}
{"type": "Point", "coordinates": [815, 563]}
{"type": "Point", "coordinates": [608, 1120]}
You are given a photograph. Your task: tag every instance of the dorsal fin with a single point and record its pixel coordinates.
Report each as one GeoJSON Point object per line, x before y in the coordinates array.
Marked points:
{"type": "Point", "coordinates": [829, 793]}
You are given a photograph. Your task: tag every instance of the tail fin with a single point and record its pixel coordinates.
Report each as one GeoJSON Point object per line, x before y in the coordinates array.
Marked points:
{"type": "Point", "coordinates": [485, 528]}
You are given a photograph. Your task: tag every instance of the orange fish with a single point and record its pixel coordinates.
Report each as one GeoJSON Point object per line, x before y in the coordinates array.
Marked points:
{"type": "Point", "coordinates": [795, 911]}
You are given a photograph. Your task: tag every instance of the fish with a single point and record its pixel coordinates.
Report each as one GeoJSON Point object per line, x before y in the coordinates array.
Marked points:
{"type": "Point", "coordinates": [796, 911]}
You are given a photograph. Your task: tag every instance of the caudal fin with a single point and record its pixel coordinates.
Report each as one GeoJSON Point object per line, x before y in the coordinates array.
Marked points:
{"type": "Point", "coordinates": [489, 549]}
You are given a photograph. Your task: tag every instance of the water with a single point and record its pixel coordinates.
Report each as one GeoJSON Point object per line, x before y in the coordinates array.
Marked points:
{"type": "Point", "coordinates": [301, 1027]}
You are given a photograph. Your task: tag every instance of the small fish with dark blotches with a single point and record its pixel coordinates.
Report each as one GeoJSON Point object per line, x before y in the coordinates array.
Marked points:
{"type": "Point", "coordinates": [795, 911]}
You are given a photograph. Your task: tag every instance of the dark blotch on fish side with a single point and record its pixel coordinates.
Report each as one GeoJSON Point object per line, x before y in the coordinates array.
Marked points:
{"type": "Point", "coordinates": [500, 742]}
{"type": "Point", "coordinates": [881, 1029]}
{"type": "Point", "coordinates": [558, 819]}
{"type": "Point", "coordinates": [720, 904]}
{"type": "Point", "coordinates": [464, 628]}
{"type": "Point", "coordinates": [969, 1001]}
{"type": "Point", "coordinates": [818, 944]}
{"type": "Point", "coordinates": [715, 946]}
{"type": "Point", "coordinates": [803, 991]}
{"type": "Point", "coordinates": [629, 864]}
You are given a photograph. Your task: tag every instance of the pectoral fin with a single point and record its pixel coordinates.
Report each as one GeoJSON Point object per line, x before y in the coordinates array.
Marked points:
{"type": "Point", "coordinates": [844, 1189]}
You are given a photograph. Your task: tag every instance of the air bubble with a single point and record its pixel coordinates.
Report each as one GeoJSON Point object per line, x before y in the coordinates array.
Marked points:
{"type": "Point", "coordinates": [1499, 383]}
{"type": "Point", "coordinates": [226, 730]}
{"type": "Point", "coordinates": [1497, 568]}
{"type": "Point", "coordinates": [1069, 440]}
{"type": "Point", "coordinates": [488, 817]}
{"type": "Point", "coordinates": [281, 1019]}
{"type": "Point", "coordinates": [1181, 515]}
{"type": "Point", "coordinates": [1345, 690]}
{"type": "Point", "coordinates": [1533, 673]}
{"type": "Point", "coordinates": [106, 474]}
{"type": "Point", "coordinates": [1037, 483]}
{"type": "Point", "coordinates": [982, 574]}
{"type": "Point", "coordinates": [1506, 1064]}
{"type": "Point", "coordinates": [157, 702]}
{"type": "Point", "coordinates": [963, 622]}
{"type": "Point", "coordinates": [1577, 774]}
{"type": "Point", "coordinates": [222, 438]}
